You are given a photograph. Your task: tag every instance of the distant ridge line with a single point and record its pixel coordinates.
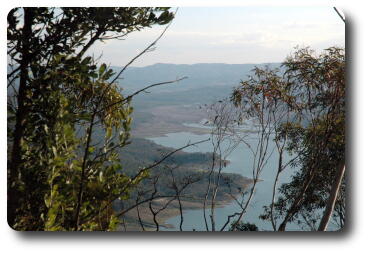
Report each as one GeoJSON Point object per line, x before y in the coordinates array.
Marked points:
{"type": "Point", "coordinates": [194, 64]}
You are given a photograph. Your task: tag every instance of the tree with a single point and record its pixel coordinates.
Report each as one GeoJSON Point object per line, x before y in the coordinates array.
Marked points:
{"type": "Point", "coordinates": [61, 174]}
{"type": "Point", "coordinates": [310, 90]}
{"type": "Point", "coordinates": [243, 227]}
{"type": "Point", "coordinates": [264, 114]}
{"type": "Point", "coordinates": [221, 117]}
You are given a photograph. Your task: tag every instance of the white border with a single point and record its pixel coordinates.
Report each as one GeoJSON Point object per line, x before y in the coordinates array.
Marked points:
{"type": "Point", "coordinates": [14, 242]}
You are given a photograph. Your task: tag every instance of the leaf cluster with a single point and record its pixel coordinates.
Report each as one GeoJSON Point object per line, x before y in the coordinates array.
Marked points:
{"type": "Point", "coordinates": [66, 119]}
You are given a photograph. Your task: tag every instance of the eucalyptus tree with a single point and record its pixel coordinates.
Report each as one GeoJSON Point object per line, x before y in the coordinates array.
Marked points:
{"type": "Point", "coordinates": [309, 89]}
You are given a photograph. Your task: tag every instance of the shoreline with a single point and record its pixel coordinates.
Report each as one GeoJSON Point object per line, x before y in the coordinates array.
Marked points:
{"type": "Point", "coordinates": [171, 211]}
{"type": "Point", "coordinates": [161, 130]}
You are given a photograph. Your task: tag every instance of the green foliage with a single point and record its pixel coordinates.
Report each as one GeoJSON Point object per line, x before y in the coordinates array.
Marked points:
{"type": "Point", "coordinates": [243, 226]}
{"type": "Point", "coordinates": [60, 177]}
{"type": "Point", "coordinates": [310, 88]}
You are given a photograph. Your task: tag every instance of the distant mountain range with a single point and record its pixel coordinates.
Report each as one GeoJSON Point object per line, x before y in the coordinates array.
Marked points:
{"type": "Point", "coordinates": [198, 75]}
{"type": "Point", "coordinates": [205, 82]}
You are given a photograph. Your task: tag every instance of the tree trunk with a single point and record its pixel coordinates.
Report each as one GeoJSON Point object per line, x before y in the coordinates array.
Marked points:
{"type": "Point", "coordinates": [16, 154]}
{"type": "Point", "coordinates": [332, 199]}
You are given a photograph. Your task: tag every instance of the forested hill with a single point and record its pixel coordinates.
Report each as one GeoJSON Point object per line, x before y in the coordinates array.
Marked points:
{"type": "Point", "coordinates": [142, 152]}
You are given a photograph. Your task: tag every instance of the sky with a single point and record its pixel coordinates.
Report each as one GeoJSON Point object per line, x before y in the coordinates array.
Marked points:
{"type": "Point", "coordinates": [231, 35]}
{"type": "Point", "coordinates": [354, 237]}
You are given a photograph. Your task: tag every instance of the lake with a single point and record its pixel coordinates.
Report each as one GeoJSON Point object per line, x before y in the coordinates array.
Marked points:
{"type": "Point", "coordinates": [239, 163]}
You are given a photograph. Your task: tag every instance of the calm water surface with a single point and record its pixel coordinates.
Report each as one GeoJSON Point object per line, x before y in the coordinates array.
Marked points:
{"type": "Point", "coordinates": [240, 163]}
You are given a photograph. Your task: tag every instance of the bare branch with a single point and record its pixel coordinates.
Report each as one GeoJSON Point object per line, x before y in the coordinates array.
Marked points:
{"type": "Point", "coordinates": [92, 214]}
{"type": "Point", "coordinates": [338, 13]}
{"type": "Point", "coordinates": [147, 49]}
{"type": "Point", "coordinates": [140, 91]}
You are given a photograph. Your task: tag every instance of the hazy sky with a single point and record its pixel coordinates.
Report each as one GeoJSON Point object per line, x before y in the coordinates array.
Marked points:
{"type": "Point", "coordinates": [230, 35]}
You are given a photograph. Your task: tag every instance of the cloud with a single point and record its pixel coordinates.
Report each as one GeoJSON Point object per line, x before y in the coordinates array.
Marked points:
{"type": "Point", "coordinates": [241, 42]}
